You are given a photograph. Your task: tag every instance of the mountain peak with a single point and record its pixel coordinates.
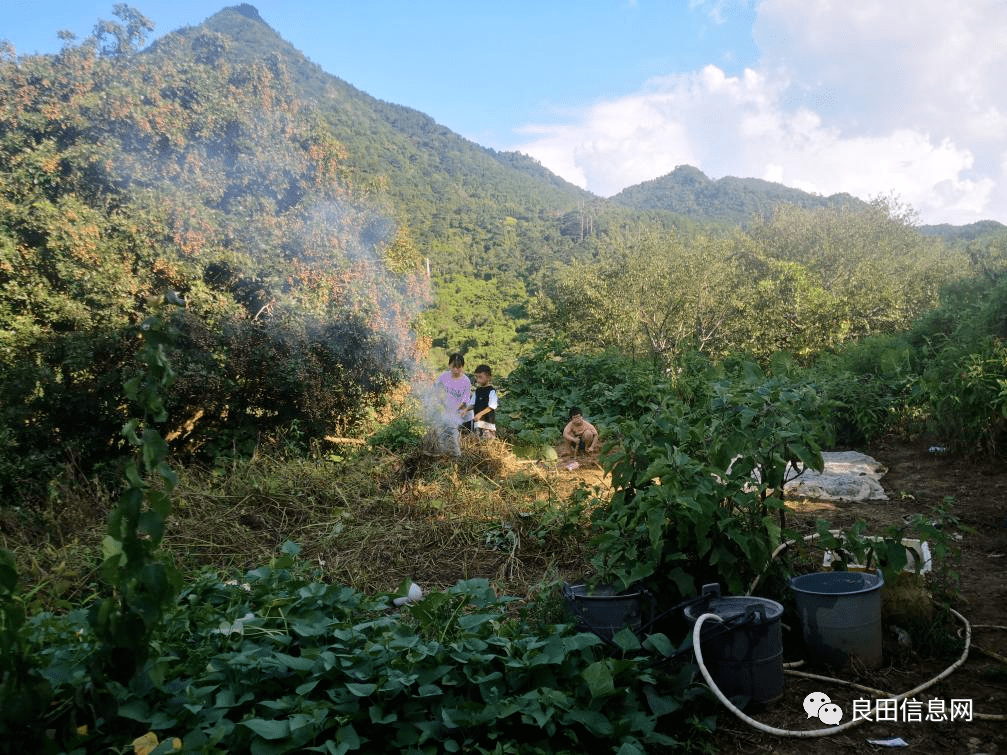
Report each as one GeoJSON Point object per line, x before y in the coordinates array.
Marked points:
{"type": "Point", "coordinates": [247, 10]}
{"type": "Point", "coordinates": [729, 200]}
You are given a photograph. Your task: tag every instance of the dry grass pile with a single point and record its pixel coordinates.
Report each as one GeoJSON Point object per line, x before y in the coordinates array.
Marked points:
{"type": "Point", "coordinates": [370, 521]}
{"type": "Point", "coordinates": [377, 519]}
{"type": "Point", "coordinates": [57, 543]}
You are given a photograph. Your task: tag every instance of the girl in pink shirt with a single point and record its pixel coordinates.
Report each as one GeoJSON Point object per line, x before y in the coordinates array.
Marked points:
{"type": "Point", "coordinates": [456, 397]}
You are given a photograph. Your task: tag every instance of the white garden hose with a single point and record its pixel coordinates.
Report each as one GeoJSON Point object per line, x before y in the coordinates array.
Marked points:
{"type": "Point", "coordinates": [808, 733]}
{"type": "Point", "coordinates": [737, 711]}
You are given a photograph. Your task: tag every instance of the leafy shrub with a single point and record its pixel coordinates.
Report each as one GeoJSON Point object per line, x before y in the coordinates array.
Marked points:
{"type": "Point", "coordinates": [608, 387]}
{"type": "Point", "coordinates": [242, 379]}
{"type": "Point", "coordinates": [698, 487]}
{"type": "Point", "coordinates": [237, 380]}
{"type": "Point", "coordinates": [870, 383]}
{"type": "Point", "coordinates": [61, 399]}
{"type": "Point", "coordinates": [966, 390]}
{"type": "Point", "coordinates": [864, 407]}
{"type": "Point", "coordinates": [958, 367]}
{"type": "Point", "coordinates": [403, 433]}
{"type": "Point", "coordinates": [277, 662]}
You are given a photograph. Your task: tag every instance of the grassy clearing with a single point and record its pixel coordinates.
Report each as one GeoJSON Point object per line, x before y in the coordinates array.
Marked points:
{"type": "Point", "coordinates": [368, 520]}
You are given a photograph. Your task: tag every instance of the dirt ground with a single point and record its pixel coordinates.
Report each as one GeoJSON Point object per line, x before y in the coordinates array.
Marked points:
{"type": "Point", "coordinates": [916, 481]}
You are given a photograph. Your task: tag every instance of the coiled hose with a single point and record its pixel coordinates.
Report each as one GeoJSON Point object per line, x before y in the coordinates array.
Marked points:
{"type": "Point", "coordinates": [828, 731]}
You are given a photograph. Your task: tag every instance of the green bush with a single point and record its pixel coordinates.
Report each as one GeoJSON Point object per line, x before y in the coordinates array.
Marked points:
{"type": "Point", "coordinates": [61, 402]}
{"type": "Point", "coordinates": [966, 391]}
{"type": "Point", "coordinates": [870, 384]}
{"type": "Point", "coordinates": [539, 392]}
{"type": "Point", "coordinates": [961, 365]}
{"type": "Point", "coordinates": [243, 379]}
{"type": "Point", "coordinates": [698, 486]}
{"type": "Point", "coordinates": [238, 380]}
{"type": "Point", "coordinates": [401, 435]}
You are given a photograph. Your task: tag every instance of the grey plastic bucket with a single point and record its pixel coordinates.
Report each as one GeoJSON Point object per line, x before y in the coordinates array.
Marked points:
{"type": "Point", "coordinates": [840, 613]}
{"type": "Point", "coordinates": [746, 660]}
{"type": "Point", "coordinates": [602, 610]}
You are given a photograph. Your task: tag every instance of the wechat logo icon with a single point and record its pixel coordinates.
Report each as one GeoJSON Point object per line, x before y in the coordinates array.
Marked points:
{"type": "Point", "coordinates": [818, 705]}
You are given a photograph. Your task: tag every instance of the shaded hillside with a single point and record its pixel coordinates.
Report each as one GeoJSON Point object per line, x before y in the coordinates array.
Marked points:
{"type": "Point", "coordinates": [729, 200]}
{"type": "Point", "coordinates": [127, 175]}
{"type": "Point", "coordinates": [957, 234]}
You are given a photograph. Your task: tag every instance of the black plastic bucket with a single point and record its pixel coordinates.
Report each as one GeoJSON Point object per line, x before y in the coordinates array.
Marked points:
{"type": "Point", "coordinates": [603, 611]}
{"type": "Point", "coordinates": [746, 659]}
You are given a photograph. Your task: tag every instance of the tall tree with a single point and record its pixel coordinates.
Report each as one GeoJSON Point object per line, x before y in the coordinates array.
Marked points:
{"type": "Point", "coordinates": [877, 269]}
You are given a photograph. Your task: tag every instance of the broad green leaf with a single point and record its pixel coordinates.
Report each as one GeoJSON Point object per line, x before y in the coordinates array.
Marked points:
{"type": "Point", "coordinates": [305, 688]}
{"type": "Point", "coordinates": [348, 736]}
{"type": "Point", "coordinates": [595, 722]}
{"type": "Point", "coordinates": [474, 619]}
{"type": "Point", "coordinates": [631, 748]}
{"type": "Point", "coordinates": [380, 717]}
{"type": "Point", "coordinates": [129, 429]}
{"type": "Point", "coordinates": [361, 690]}
{"type": "Point", "coordinates": [151, 523]}
{"type": "Point", "coordinates": [269, 729]}
{"type": "Point", "coordinates": [660, 705]}
{"type": "Point", "coordinates": [300, 663]}
{"type": "Point", "coordinates": [136, 710]}
{"type": "Point", "coordinates": [660, 643]}
{"type": "Point", "coordinates": [110, 547]}
{"type": "Point", "coordinates": [599, 679]}
{"type": "Point", "coordinates": [283, 704]}
{"type": "Point", "coordinates": [160, 502]}
{"type": "Point", "coordinates": [299, 721]}
{"type": "Point", "coordinates": [626, 640]}
{"type": "Point", "coordinates": [306, 628]}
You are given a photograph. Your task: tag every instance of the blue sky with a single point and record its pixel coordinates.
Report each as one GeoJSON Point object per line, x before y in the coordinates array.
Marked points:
{"type": "Point", "coordinates": [863, 97]}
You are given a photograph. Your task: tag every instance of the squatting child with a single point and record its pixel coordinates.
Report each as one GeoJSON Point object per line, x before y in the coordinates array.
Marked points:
{"type": "Point", "coordinates": [580, 435]}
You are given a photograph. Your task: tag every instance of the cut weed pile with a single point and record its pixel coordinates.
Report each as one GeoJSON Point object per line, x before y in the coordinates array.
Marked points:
{"type": "Point", "coordinates": [369, 521]}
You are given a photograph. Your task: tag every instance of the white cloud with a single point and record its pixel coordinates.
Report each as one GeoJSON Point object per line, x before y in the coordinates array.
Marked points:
{"type": "Point", "coordinates": [716, 10]}
{"type": "Point", "coordinates": [860, 97]}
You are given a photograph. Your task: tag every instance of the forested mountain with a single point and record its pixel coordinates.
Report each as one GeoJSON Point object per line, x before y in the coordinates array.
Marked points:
{"type": "Point", "coordinates": [729, 200]}
{"type": "Point", "coordinates": [295, 216]}
{"type": "Point", "coordinates": [965, 233]}
{"type": "Point", "coordinates": [473, 209]}
{"type": "Point", "coordinates": [470, 208]}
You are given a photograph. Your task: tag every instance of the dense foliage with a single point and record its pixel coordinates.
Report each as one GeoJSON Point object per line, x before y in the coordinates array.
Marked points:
{"type": "Point", "coordinates": [484, 317]}
{"type": "Point", "coordinates": [130, 174]}
{"type": "Point", "coordinates": [698, 481]}
{"type": "Point", "coordinates": [803, 281]}
{"type": "Point", "coordinates": [298, 227]}
{"type": "Point", "coordinates": [297, 217]}
{"type": "Point", "coordinates": [607, 388]}
{"type": "Point", "coordinates": [280, 662]}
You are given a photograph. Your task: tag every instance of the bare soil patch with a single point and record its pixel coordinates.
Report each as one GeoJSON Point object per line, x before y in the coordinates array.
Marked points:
{"type": "Point", "coordinates": [916, 482]}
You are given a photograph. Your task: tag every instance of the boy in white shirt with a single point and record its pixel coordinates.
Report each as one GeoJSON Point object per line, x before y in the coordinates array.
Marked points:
{"type": "Point", "coordinates": [485, 403]}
